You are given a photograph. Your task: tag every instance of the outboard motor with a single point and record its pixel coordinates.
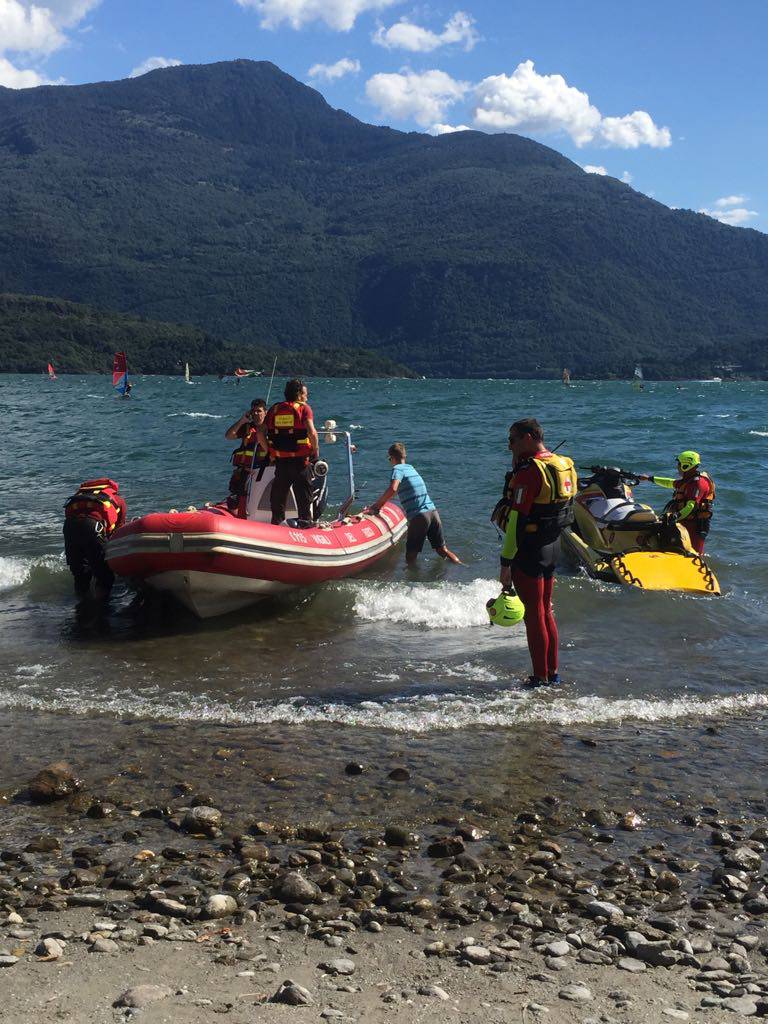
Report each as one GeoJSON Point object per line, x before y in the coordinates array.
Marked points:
{"type": "Point", "coordinates": [319, 488]}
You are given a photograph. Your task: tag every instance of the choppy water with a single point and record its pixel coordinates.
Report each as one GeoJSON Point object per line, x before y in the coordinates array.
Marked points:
{"type": "Point", "coordinates": [398, 649]}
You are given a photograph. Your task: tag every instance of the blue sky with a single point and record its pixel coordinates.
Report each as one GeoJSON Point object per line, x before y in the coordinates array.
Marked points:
{"type": "Point", "coordinates": [671, 95]}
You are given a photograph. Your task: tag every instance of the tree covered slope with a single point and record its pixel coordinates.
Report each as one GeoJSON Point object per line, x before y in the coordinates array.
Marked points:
{"type": "Point", "coordinates": [232, 197]}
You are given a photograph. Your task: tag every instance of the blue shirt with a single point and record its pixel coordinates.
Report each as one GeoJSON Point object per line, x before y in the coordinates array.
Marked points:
{"type": "Point", "coordinates": [412, 491]}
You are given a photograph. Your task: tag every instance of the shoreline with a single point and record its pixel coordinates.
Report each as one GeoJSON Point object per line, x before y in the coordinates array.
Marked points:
{"type": "Point", "coordinates": [172, 879]}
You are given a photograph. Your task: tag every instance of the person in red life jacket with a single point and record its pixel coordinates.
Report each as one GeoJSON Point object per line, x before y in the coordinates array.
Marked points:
{"type": "Point", "coordinates": [250, 455]}
{"type": "Point", "coordinates": [91, 515]}
{"type": "Point", "coordinates": [290, 437]}
{"type": "Point", "coordinates": [537, 504]}
{"type": "Point", "coordinates": [694, 495]}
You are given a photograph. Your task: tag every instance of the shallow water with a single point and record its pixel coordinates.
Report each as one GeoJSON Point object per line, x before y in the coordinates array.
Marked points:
{"type": "Point", "coordinates": [397, 649]}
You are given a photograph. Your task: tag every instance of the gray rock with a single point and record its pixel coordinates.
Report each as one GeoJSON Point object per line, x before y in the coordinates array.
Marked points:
{"type": "Point", "coordinates": [295, 888]}
{"type": "Point", "coordinates": [557, 949]}
{"type": "Point", "coordinates": [575, 993]}
{"type": "Point", "coordinates": [657, 954]}
{"type": "Point", "coordinates": [50, 949]}
{"type": "Point", "coordinates": [628, 963]}
{"type": "Point", "coordinates": [339, 966]}
{"type": "Point", "coordinates": [745, 1005]}
{"type": "Point", "coordinates": [331, 1013]}
{"type": "Point", "coordinates": [220, 905]}
{"type": "Point", "coordinates": [105, 946]}
{"type": "Point", "coordinates": [293, 994]}
{"type": "Point", "coordinates": [743, 857]}
{"type": "Point", "coordinates": [600, 908]}
{"type": "Point", "coordinates": [202, 819]}
{"type": "Point", "coordinates": [433, 990]}
{"type": "Point", "coordinates": [139, 996]}
{"type": "Point", "coordinates": [477, 954]}
{"type": "Point", "coordinates": [674, 1014]}
{"type": "Point", "coordinates": [6, 960]}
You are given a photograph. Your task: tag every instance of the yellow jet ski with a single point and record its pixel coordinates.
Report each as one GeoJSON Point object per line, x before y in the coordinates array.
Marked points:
{"type": "Point", "coordinates": [620, 540]}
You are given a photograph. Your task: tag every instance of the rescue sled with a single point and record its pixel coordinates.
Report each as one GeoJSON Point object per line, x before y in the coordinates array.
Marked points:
{"type": "Point", "coordinates": [620, 540]}
{"type": "Point", "coordinates": [214, 562]}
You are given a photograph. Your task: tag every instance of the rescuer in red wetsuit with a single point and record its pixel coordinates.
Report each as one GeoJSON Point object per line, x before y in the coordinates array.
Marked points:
{"type": "Point", "coordinates": [91, 515]}
{"type": "Point", "coordinates": [537, 504]}
{"type": "Point", "coordinates": [694, 495]}
{"type": "Point", "coordinates": [289, 435]}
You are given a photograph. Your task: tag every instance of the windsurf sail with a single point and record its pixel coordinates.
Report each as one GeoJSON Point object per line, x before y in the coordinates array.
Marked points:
{"type": "Point", "coordinates": [637, 378]}
{"type": "Point", "coordinates": [239, 372]}
{"type": "Point", "coordinates": [566, 376]}
{"type": "Point", "coordinates": [51, 372]}
{"type": "Point", "coordinates": [120, 373]}
{"type": "Point", "coordinates": [186, 373]}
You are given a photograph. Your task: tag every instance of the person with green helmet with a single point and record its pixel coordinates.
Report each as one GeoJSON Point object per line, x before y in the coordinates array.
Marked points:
{"type": "Point", "coordinates": [694, 494]}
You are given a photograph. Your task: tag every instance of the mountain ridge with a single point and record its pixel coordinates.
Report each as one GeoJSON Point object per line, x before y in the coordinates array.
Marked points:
{"type": "Point", "coordinates": [236, 198]}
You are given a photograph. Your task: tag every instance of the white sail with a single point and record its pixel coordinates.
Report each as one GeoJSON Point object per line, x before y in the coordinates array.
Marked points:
{"type": "Point", "coordinates": [638, 373]}
{"type": "Point", "coordinates": [186, 372]}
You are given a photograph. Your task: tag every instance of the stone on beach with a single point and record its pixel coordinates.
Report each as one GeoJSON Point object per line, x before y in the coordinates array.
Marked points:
{"type": "Point", "coordinates": [293, 994]}
{"type": "Point", "coordinates": [575, 993]}
{"type": "Point", "coordinates": [50, 949]}
{"type": "Point", "coordinates": [295, 888]}
{"type": "Point", "coordinates": [339, 966]}
{"type": "Point", "coordinates": [204, 820]}
{"type": "Point", "coordinates": [220, 905]}
{"type": "Point", "coordinates": [601, 908]}
{"type": "Point", "coordinates": [55, 782]}
{"type": "Point", "coordinates": [139, 996]}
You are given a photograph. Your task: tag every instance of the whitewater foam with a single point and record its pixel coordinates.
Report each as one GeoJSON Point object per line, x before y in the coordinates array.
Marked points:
{"type": "Point", "coordinates": [196, 415]}
{"type": "Point", "coordinates": [759, 433]}
{"type": "Point", "coordinates": [15, 572]}
{"type": "Point", "coordinates": [422, 714]}
{"type": "Point", "coordinates": [431, 606]}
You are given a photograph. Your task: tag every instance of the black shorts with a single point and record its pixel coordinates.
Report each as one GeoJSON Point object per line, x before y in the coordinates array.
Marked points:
{"type": "Point", "coordinates": [537, 561]}
{"type": "Point", "coordinates": [424, 526]}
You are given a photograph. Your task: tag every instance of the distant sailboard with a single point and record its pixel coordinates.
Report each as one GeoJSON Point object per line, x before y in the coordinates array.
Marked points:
{"type": "Point", "coordinates": [51, 372]}
{"type": "Point", "coordinates": [637, 379]}
{"type": "Point", "coordinates": [566, 376]}
{"type": "Point", "coordinates": [120, 374]}
{"type": "Point", "coordinates": [239, 372]}
{"type": "Point", "coordinates": [186, 373]}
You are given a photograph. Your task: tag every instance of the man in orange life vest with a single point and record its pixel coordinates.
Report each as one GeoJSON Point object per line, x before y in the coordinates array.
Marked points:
{"type": "Point", "coordinates": [91, 515]}
{"type": "Point", "coordinates": [536, 506]}
{"type": "Point", "coordinates": [694, 494]}
{"type": "Point", "coordinates": [289, 435]}
{"type": "Point", "coordinates": [249, 454]}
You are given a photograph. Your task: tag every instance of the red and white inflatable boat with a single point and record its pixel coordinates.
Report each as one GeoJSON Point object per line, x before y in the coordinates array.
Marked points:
{"type": "Point", "coordinates": [214, 562]}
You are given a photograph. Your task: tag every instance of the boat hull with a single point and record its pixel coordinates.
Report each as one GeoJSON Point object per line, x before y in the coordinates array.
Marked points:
{"type": "Point", "coordinates": [215, 563]}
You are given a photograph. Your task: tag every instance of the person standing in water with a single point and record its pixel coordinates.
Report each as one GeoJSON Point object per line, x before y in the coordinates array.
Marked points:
{"type": "Point", "coordinates": [423, 518]}
{"type": "Point", "coordinates": [537, 504]}
{"type": "Point", "coordinates": [691, 504]}
{"type": "Point", "coordinates": [91, 516]}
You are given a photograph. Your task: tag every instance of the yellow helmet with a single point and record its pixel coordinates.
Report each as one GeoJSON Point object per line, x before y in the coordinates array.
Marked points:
{"type": "Point", "coordinates": [506, 609]}
{"type": "Point", "coordinates": [688, 460]}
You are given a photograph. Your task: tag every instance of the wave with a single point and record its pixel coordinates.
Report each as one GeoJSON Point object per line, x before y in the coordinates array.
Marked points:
{"type": "Point", "coordinates": [196, 415]}
{"type": "Point", "coordinates": [422, 714]}
{"type": "Point", "coordinates": [15, 572]}
{"type": "Point", "coordinates": [759, 433]}
{"type": "Point", "coordinates": [435, 606]}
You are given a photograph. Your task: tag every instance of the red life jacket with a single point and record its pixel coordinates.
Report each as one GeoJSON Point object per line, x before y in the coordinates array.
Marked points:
{"type": "Point", "coordinates": [243, 457]}
{"type": "Point", "coordinates": [94, 499]}
{"type": "Point", "coordinates": [287, 434]}
{"type": "Point", "coordinates": [703, 510]}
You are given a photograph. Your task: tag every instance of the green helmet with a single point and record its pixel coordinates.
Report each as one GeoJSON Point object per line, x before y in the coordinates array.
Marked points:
{"type": "Point", "coordinates": [506, 609]}
{"type": "Point", "coordinates": [688, 460]}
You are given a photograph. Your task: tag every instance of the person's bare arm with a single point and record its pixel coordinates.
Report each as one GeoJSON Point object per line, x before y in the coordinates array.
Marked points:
{"type": "Point", "coordinates": [231, 432]}
{"type": "Point", "coordinates": [390, 492]}
{"type": "Point", "coordinates": [314, 439]}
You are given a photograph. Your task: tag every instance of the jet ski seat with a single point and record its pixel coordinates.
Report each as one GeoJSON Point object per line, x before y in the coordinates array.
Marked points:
{"type": "Point", "coordinates": [619, 513]}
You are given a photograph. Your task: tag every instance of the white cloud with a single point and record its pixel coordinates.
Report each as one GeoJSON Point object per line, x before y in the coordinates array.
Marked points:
{"type": "Point", "coordinates": [545, 104]}
{"type": "Point", "coordinates": [330, 72]}
{"type": "Point", "coordinates": [337, 14]}
{"type": "Point", "coordinates": [448, 129]}
{"type": "Point", "coordinates": [626, 178]}
{"type": "Point", "coordinates": [726, 201]}
{"type": "Point", "coordinates": [35, 29]}
{"type": "Point", "coordinates": [736, 216]}
{"type": "Point", "coordinates": [421, 96]}
{"type": "Point", "coordinates": [633, 130]}
{"type": "Point", "coordinates": [595, 169]}
{"type": "Point", "coordinates": [16, 78]}
{"type": "Point", "coordinates": [405, 35]}
{"type": "Point", "coordinates": [152, 64]}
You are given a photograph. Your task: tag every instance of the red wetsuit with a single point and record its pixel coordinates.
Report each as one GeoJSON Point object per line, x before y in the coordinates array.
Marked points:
{"type": "Point", "coordinates": [533, 575]}
{"type": "Point", "coordinates": [698, 489]}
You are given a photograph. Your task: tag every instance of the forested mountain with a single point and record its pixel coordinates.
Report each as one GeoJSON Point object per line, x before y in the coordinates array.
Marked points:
{"type": "Point", "coordinates": [80, 339]}
{"type": "Point", "coordinates": [233, 197]}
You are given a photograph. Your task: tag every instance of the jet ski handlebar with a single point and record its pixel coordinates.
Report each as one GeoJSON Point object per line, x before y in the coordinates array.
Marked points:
{"type": "Point", "coordinates": [625, 475]}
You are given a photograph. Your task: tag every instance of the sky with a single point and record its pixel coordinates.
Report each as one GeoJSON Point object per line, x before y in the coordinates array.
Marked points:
{"type": "Point", "coordinates": [671, 97]}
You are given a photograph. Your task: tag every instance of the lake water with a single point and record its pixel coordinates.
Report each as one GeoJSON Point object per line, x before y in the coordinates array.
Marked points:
{"type": "Point", "coordinates": [398, 663]}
